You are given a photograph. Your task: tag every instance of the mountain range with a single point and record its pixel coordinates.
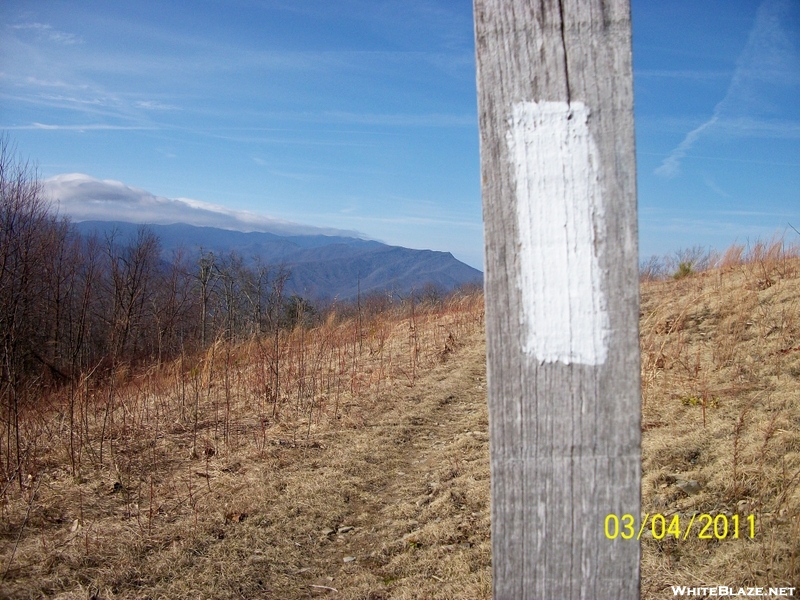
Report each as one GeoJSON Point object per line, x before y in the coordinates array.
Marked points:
{"type": "Point", "coordinates": [332, 266]}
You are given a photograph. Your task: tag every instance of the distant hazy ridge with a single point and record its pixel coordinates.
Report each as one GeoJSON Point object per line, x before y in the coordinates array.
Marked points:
{"type": "Point", "coordinates": [321, 265]}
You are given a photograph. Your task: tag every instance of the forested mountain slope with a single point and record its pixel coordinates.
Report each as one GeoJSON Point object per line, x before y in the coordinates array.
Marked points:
{"type": "Point", "coordinates": [321, 266]}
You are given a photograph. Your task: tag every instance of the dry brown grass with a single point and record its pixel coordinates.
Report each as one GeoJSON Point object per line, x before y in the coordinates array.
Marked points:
{"type": "Point", "coordinates": [720, 383]}
{"type": "Point", "coordinates": [377, 451]}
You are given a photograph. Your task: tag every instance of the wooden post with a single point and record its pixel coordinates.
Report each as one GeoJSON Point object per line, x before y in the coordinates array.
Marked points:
{"type": "Point", "coordinates": [555, 96]}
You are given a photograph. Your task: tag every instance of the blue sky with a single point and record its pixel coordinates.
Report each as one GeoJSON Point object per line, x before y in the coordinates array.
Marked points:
{"type": "Point", "coordinates": [361, 114]}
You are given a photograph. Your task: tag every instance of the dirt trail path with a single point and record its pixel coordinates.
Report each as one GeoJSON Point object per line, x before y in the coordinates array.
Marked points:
{"type": "Point", "coordinates": [396, 508]}
{"type": "Point", "coordinates": [413, 484]}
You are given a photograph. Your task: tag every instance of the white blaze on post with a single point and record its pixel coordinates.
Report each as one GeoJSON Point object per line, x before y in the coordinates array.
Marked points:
{"type": "Point", "coordinates": [558, 177]}
{"type": "Point", "coordinates": [561, 223]}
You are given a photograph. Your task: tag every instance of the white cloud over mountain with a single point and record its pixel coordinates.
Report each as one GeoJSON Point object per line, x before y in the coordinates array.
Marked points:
{"type": "Point", "coordinates": [84, 198]}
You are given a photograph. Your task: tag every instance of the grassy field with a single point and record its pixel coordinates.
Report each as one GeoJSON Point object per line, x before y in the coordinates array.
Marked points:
{"type": "Point", "coordinates": [368, 477]}
{"type": "Point", "coordinates": [721, 422]}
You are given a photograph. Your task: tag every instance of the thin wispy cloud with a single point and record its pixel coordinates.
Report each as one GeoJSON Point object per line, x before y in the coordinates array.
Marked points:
{"type": "Point", "coordinates": [279, 173]}
{"type": "Point", "coordinates": [681, 74]}
{"type": "Point", "coordinates": [755, 213]}
{"type": "Point", "coordinates": [671, 164]}
{"type": "Point", "coordinates": [753, 161]}
{"type": "Point", "coordinates": [87, 127]}
{"type": "Point", "coordinates": [768, 58]}
{"type": "Point", "coordinates": [411, 220]}
{"type": "Point", "coordinates": [712, 185]}
{"type": "Point", "coordinates": [335, 117]}
{"type": "Point", "coordinates": [74, 100]}
{"type": "Point", "coordinates": [762, 128]}
{"type": "Point", "coordinates": [284, 141]}
{"type": "Point", "coordinates": [752, 127]}
{"type": "Point", "coordinates": [400, 120]}
{"type": "Point", "coordinates": [290, 175]}
{"type": "Point", "coordinates": [54, 83]}
{"type": "Point", "coordinates": [47, 31]}
{"type": "Point", "coordinates": [153, 105]}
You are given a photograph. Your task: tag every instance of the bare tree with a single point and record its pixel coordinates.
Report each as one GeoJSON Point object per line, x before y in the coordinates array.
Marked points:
{"type": "Point", "coordinates": [173, 305]}
{"type": "Point", "coordinates": [24, 224]}
{"type": "Point", "coordinates": [205, 280]}
{"type": "Point", "coordinates": [274, 316]}
{"type": "Point", "coordinates": [131, 271]}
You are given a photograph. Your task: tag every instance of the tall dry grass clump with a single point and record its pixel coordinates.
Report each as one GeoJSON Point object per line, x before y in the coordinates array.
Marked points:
{"type": "Point", "coordinates": [768, 256]}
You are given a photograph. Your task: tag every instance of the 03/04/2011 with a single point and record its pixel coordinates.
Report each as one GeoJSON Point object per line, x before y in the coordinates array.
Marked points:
{"type": "Point", "coordinates": [706, 526]}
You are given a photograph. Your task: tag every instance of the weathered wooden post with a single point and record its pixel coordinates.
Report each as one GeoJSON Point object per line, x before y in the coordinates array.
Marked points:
{"type": "Point", "coordinates": [555, 98]}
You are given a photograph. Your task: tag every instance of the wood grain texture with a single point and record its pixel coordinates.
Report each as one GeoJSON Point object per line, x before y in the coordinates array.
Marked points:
{"type": "Point", "coordinates": [564, 413]}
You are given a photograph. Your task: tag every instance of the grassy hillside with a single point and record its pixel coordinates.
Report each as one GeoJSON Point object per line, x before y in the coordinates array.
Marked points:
{"type": "Point", "coordinates": [721, 421]}
{"type": "Point", "coordinates": [369, 478]}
